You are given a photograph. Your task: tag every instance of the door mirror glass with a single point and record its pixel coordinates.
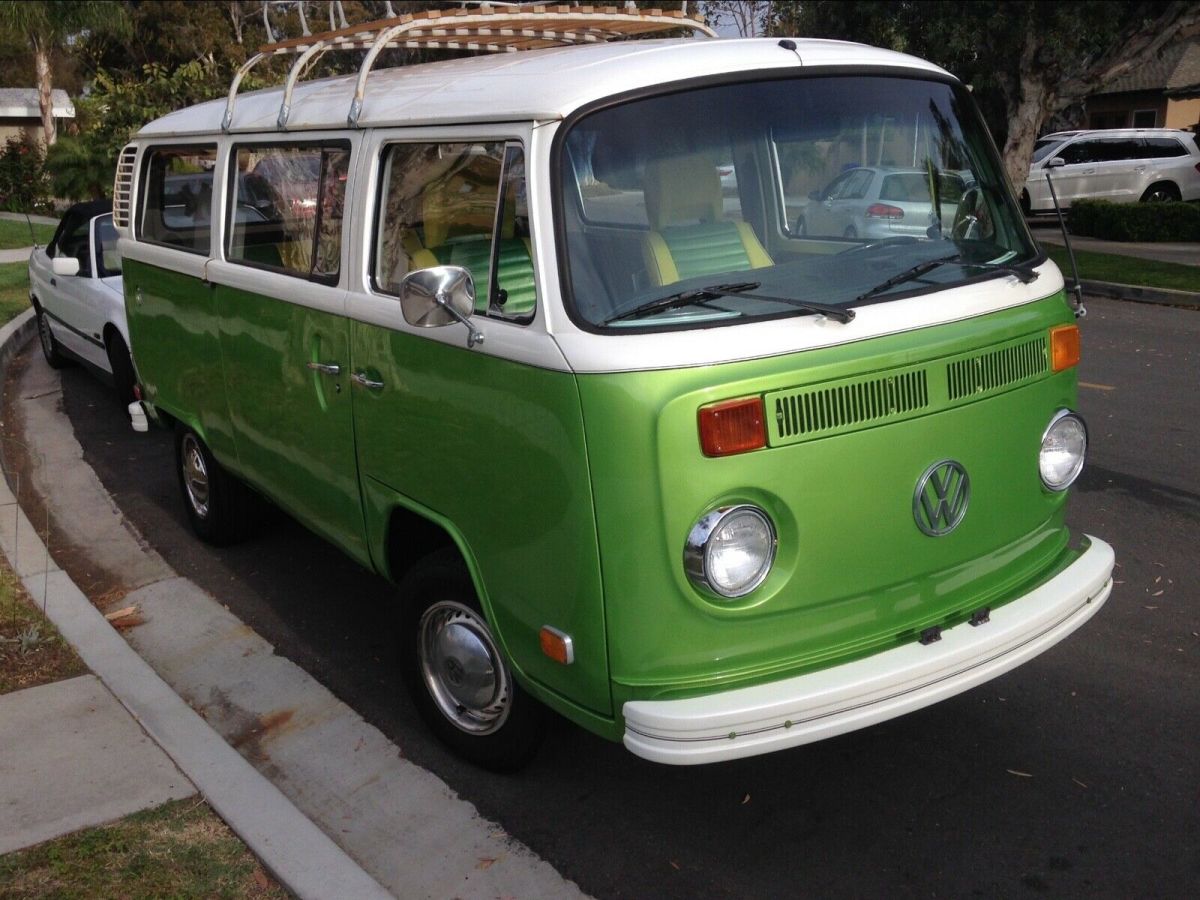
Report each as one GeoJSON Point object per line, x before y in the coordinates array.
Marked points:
{"type": "Point", "coordinates": [65, 265]}
{"type": "Point", "coordinates": [437, 296]}
{"type": "Point", "coordinates": [1056, 163]}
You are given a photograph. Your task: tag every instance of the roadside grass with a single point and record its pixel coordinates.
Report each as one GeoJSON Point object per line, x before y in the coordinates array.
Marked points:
{"type": "Point", "coordinates": [178, 850]}
{"type": "Point", "coordinates": [32, 652]}
{"type": "Point", "coordinates": [14, 289]}
{"type": "Point", "coordinates": [15, 234]}
{"type": "Point", "coordinates": [1127, 269]}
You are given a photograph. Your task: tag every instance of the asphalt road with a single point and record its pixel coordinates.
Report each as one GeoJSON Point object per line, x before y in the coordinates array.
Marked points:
{"type": "Point", "coordinates": [1076, 774]}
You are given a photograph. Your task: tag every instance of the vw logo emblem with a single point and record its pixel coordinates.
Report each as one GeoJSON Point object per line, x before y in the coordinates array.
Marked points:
{"type": "Point", "coordinates": [940, 501]}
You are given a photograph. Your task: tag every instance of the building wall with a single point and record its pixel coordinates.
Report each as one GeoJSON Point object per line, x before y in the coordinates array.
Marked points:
{"type": "Point", "coordinates": [1118, 110]}
{"type": "Point", "coordinates": [31, 128]}
{"type": "Point", "coordinates": [1183, 114]}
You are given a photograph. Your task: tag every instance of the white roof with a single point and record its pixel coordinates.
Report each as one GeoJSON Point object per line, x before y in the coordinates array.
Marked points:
{"type": "Point", "coordinates": [22, 103]}
{"type": "Point", "coordinates": [512, 87]}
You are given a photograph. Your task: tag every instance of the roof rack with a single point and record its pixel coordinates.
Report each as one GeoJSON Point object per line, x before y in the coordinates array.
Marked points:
{"type": "Point", "coordinates": [487, 28]}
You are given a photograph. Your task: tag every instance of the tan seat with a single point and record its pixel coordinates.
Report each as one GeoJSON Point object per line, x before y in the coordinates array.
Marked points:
{"type": "Point", "coordinates": [688, 236]}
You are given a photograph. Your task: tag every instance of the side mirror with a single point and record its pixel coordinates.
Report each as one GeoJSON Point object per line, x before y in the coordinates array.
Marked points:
{"type": "Point", "coordinates": [64, 265]}
{"type": "Point", "coordinates": [430, 298]}
{"type": "Point", "coordinates": [1056, 163]}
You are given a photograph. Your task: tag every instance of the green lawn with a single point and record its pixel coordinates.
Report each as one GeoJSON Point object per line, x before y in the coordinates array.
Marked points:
{"type": "Point", "coordinates": [1127, 269]}
{"type": "Point", "coordinates": [14, 290]}
{"type": "Point", "coordinates": [32, 652]}
{"type": "Point", "coordinates": [179, 850]}
{"type": "Point", "coordinates": [14, 235]}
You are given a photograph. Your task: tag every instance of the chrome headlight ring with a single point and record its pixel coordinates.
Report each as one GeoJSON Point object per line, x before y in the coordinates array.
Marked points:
{"type": "Point", "coordinates": [748, 556]}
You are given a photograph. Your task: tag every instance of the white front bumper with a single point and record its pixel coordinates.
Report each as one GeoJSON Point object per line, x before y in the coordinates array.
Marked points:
{"type": "Point", "coordinates": [807, 708]}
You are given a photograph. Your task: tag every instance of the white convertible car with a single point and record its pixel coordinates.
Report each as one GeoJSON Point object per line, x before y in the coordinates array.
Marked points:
{"type": "Point", "coordinates": [75, 287]}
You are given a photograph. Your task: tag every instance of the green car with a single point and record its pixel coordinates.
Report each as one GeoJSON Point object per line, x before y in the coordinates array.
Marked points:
{"type": "Point", "coordinates": [632, 445]}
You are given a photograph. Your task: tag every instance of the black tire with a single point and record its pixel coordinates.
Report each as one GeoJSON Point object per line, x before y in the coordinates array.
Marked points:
{"type": "Point", "coordinates": [218, 506]}
{"type": "Point", "coordinates": [121, 364]}
{"type": "Point", "coordinates": [499, 729]}
{"type": "Point", "coordinates": [50, 348]}
{"type": "Point", "coordinates": [1026, 204]}
{"type": "Point", "coordinates": [1162, 192]}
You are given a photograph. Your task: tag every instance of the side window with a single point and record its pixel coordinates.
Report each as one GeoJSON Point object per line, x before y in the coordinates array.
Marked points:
{"type": "Point", "coordinates": [107, 254]}
{"type": "Point", "coordinates": [1119, 149]}
{"type": "Point", "coordinates": [75, 243]}
{"type": "Point", "coordinates": [1162, 148]}
{"type": "Point", "coordinates": [1080, 152]}
{"type": "Point", "coordinates": [176, 197]}
{"type": "Point", "coordinates": [287, 211]}
{"type": "Point", "coordinates": [856, 185]}
{"type": "Point", "coordinates": [458, 205]}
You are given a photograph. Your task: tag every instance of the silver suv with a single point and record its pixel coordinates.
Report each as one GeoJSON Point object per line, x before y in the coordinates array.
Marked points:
{"type": "Point", "coordinates": [1120, 164]}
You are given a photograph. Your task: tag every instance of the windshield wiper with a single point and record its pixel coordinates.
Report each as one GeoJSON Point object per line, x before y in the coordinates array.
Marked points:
{"type": "Point", "coordinates": [700, 295]}
{"type": "Point", "coordinates": [683, 298]}
{"type": "Point", "coordinates": [1025, 276]}
{"type": "Point", "coordinates": [907, 275]}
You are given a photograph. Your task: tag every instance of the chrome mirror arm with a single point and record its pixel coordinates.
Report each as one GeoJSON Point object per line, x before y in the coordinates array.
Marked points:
{"type": "Point", "coordinates": [474, 335]}
{"type": "Point", "coordinates": [1079, 309]}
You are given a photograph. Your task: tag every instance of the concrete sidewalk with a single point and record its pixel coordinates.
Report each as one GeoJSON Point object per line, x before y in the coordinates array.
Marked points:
{"type": "Point", "coordinates": [20, 254]}
{"type": "Point", "coordinates": [35, 219]}
{"type": "Point", "coordinates": [341, 794]}
{"type": "Point", "coordinates": [74, 758]}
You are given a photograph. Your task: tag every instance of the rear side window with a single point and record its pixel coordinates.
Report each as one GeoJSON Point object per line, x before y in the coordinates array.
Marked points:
{"type": "Point", "coordinates": [458, 205]}
{"type": "Point", "coordinates": [176, 197]}
{"type": "Point", "coordinates": [287, 209]}
{"type": "Point", "coordinates": [1163, 148]}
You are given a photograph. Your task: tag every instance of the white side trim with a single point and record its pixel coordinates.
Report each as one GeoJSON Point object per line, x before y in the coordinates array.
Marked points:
{"type": "Point", "coordinates": [844, 698]}
{"type": "Point", "coordinates": [286, 288]}
{"type": "Point", "coordinates": [164, 257]}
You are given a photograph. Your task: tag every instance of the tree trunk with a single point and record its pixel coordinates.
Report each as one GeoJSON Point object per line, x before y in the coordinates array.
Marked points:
{"type": "Point", "coordinates": [1024, 122]}
{"type": "Point", "coordinates": [41, 63]}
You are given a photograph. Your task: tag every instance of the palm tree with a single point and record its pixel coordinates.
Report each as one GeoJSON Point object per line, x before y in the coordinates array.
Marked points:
{"type": "Point", "coordinates": [51, 24]}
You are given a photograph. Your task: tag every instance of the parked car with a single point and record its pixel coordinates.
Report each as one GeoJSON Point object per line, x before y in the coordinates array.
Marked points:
{"type": "Point", "coordinates": [1123, 165]}
{"type": "Point", "coordinates": [879, 202]}
{"type": "Point", "coordinates": [75, 287]}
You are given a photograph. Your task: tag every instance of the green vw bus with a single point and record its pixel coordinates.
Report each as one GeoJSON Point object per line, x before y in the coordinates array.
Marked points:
{"type": "Point", "coordinates": [711, 393]}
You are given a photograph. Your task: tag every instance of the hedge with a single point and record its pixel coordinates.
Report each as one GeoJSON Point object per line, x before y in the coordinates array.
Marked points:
{"type": "Point", "coordinates": [1136, 221]}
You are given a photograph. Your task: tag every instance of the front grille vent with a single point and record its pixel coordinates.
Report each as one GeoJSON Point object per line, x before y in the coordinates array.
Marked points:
{"type": "Point", "coordinates": [824, 410]}
{"type": "Point", "coordinates": [997, 369]}
{"type": "Point", "coordinates": [123, 187]}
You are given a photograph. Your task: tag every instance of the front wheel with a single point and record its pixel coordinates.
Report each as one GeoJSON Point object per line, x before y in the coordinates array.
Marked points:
{"type": "Point", "coordinates": [218, 506]}
{"type": "Point", "coordinates": [50, 348]}
{"type": "Point", "coordinates": [455, 672]}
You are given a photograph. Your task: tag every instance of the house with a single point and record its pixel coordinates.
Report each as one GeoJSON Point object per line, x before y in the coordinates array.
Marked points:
{"type": "Point", "coordinates": [1163, 93]}
{"type": "Point", "coordinates": [21, 115]}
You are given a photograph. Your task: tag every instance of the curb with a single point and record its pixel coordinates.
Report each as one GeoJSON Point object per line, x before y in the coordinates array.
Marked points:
{"type": "Point", "coordinates": [296, 852]}
{"type": "Point", "coordinates": [1163, 296]}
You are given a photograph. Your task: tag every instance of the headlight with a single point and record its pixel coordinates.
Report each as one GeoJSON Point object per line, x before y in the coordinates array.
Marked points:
{"type": "Point", "coordinates": [1064, 446]}
{"type": "Point", "coordinates": [730, 550]}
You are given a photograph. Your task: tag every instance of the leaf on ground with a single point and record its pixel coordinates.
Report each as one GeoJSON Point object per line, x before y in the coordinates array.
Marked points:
{"type": "Point", "coordinates": [121, 613]}
{"type": "Point", "coordinates": [745, 800]}
{"type": "Point", "coordinates": [674, 865]}
{"type": "Point", "coordinates": [1018, 773]}
{"type": "Point", "coordinates": [485, 862]}
{"type": "Point", "coordinates": [1078, 782]}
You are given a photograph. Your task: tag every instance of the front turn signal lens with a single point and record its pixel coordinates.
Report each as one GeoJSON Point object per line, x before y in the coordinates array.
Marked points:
{"type": "Point", "coordinates": [1064, 347]}
{"type": "Point", "coordinates": [732, 426]}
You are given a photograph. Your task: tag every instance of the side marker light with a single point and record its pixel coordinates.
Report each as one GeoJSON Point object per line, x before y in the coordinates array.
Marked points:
{"type": "Point", "coordinates": [1064, 347]}
{"type": "Point", "coordinates": [557, 645]}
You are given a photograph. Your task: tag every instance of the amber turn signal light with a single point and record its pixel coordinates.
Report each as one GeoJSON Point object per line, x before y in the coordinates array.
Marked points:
{"type": "Point", "coordinates": [557, 645]}
{"type": "Point", "coordinates": [1064, 347]}
{"type": "Point", "coordinates": [732, 426]}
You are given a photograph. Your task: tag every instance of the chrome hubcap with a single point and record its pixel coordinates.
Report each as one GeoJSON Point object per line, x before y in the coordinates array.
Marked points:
{"type": "Point", "coordinates": [195, 475]}
{"type": "Point", "coordinates": [462, 668]}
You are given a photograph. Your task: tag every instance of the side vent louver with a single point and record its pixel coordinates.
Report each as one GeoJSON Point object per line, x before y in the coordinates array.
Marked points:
{"type": "Point", "coordinates": [819, 411]}
{"type": "Point", "coordinates": [123, 187]}
{"type": "Point", "coordinates": [997, 369]}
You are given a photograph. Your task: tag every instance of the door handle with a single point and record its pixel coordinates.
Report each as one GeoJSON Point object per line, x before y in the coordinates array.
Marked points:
{"type": "Point", "coordinates": [361, 378]}
{"type": "Point", "coordinates": [325, 368]}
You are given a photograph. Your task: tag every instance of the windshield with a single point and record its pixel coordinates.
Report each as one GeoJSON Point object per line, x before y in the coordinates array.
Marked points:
{"type": "Point", "coordinates": [814, 191]}
{"type": "Point", "coordinates": [1043, 147]}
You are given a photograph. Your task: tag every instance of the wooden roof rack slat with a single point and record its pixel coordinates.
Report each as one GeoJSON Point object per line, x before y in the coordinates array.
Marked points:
{"type": "Point", "coordinates": [485, 28]}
